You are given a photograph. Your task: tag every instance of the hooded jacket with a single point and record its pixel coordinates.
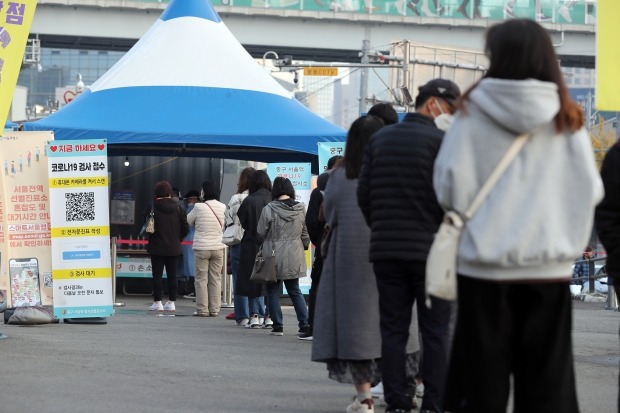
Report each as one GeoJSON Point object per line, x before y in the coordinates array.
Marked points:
{"type": "Point", "coordinates": [170, 228]}
{"type": "Point", "coordinates": [282, 226]}
{"type": "Point", "coordinates": [539, 215]}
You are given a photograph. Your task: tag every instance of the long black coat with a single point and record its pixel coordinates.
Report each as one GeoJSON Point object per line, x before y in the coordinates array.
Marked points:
{"type": "Point", "coordinates": [249, 213]}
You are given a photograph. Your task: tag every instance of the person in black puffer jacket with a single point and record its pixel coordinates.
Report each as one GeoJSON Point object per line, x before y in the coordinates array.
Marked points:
{"type": "Point", "coordinates": [165, 244]}
{"type": "Point", "coordinates": [396, 195]}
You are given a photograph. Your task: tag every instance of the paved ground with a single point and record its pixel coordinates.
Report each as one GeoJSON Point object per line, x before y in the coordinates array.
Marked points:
{"type": "Point", "coordinates": [145, 363]}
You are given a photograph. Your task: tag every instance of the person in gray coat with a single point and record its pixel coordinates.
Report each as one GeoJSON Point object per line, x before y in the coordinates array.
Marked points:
{"type": "Point", "coordinates": [282, 226]}
{"type": "Point", "coordinates": [348, 288]}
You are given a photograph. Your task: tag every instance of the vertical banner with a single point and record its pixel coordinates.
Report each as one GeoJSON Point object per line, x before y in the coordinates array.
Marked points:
{"type": "Point", "coordinates": [25, 259]}
{"type": "Point", "coordinates": [607, 56]}
{"type": "Point", "coordinates": [15, 21]}
{"type": "Point", "coordinates": [78, 182]}
{"type": "Point", "coordinates": [326, 151]}
{"type": "Point", "coordinates": [300, 176]}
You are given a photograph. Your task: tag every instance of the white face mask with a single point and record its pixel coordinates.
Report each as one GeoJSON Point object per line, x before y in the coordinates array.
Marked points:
{"type": "Point", "coordinates": [444, 121]}
{"type": "Point", "coordinates": [202, 194]}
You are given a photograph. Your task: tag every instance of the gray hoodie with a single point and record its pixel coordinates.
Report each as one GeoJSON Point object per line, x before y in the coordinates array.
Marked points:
{"type": "Point", "coordinates": [538, 218]}
{"type": "Point", "coordinates": [282, 225]}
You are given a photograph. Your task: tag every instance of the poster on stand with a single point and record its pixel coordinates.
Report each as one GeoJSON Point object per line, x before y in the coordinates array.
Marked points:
{"type": "Point", "coordinates": [78, 182]}
{"type": "Point", "coordinates": [25, 241]}
{"type": "Point", "coordinates": [327, 150]}
{"type": "Point", "coordinates": [300, 176]}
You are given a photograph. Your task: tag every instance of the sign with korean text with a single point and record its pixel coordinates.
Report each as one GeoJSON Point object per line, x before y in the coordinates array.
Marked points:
{"type": "Point", "coordinates": [25, 241]}
{"type": "Point", "coordinates": [15, 21]}
{"type": "Point", "coordinates": [78, 182]}
{"type": "Point", "coordinates": [321, 71]}
{"type": "Point", "coordinates": [607, 56]}
{"type": "Point", "coordinates": [301, 177]}
{"type": "Point", "coordinates": [326, 151]}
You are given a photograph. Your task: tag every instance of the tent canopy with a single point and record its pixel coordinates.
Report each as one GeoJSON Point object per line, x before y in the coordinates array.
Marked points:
{"type": "Point", "coordinates": [189, 88]}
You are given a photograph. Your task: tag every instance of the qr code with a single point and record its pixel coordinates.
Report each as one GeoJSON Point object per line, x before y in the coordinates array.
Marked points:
{"type": "Point", "coordinates": [80, 206]}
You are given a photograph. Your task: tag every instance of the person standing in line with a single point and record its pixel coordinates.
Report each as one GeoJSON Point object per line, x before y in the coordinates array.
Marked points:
{"type": "Point", "coordinates": [188, 263]}
{"type": "Point", "coordinates": [249, 212]}
{"type": "Point", "coordinates": [165, 244]}
{"type": "Point", "coordinates": [516, 252]}
{"type": "Point", "coordinates": [315, 226]}
{"type": "Point", "coordinates": [241, 302]}
{"type": "Point", "coordinates": [385, 112]}
{"type": "Point", "coordinates": [282, 227]}
{"type": "Point", "coordinates": [607, 218]}
{"type": "Point", "coordinates": [395, 194]}
{"type": "Point", "coordinates": [348, 289]}
{"type": "Point", "coordinates": [208, 219]}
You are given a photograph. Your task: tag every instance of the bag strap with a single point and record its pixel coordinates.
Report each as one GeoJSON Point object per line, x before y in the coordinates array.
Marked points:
{"type": "Point", "coordinates": [504, 163]}
{"type": "Point", "coordinates": [218, 220]}
{"type": "Point", "coordinates": [152, 208]}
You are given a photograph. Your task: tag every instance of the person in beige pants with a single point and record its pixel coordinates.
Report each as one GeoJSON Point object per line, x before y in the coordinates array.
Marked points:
{"type": "Point", "coordinates": [208, 218]}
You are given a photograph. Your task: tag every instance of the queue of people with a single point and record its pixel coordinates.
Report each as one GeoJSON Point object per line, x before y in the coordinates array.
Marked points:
{"type": "Point", "coordinates": [377, 213]}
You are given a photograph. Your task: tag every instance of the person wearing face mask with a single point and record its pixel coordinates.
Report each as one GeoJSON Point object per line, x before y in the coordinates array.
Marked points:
{"type": "Point", "coordinates": [396, 196]}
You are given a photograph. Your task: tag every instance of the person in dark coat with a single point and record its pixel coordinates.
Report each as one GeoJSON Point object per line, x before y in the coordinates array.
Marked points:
{"type": "Point", "coordinates": [607, 217]}
{"type": "Point", "coordinates": [165, 244]}
{"type": "Point", "coordinates": [248, 214]}
{"type": "Point", "coordinates": [315, 230]}
{"type": "Point", "coordinates": [396, 195]}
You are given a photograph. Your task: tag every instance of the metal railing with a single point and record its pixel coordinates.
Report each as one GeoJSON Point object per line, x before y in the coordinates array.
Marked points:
{"type": "Point", "coordinates": [612, 302]}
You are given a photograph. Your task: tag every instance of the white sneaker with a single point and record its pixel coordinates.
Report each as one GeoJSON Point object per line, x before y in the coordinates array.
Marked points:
{"type": "Point", "coordinates": [268, 323]}
{"type": "Point", "coordinates": [377, 391]}
{"type": "Point", "coordinates": [255, 322]}
{"type": "Point", "coordinates": [169, 306]}
{"type": "Point", "coordinates": [157, 306]}
{"type": "Point", "coordinates": [419, 390]}
{"type": "Point", "coordinates": [366, 406]}
{"type": "Point", "coordinates": [243, 322]}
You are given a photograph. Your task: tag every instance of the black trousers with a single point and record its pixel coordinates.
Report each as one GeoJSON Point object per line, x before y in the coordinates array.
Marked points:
{"type": "Point", "coordinates": [315, 276]}
{"type": "Point", "coordinates": [508, 329]}
{"type": "Point", "coordinates": [400, 285]}
{"type": "Point", "coordinates": [158, 262]}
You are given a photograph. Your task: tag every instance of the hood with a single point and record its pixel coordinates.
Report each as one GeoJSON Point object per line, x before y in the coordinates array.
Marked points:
{"type": "Point", "coordinates": [286, 209]}
{"type": "Point", "coordinates": [517, 105]}
{"type": "Point", "coordinates": [166, 205]}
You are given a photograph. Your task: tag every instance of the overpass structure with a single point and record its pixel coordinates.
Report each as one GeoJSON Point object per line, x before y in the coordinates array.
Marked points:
{"type": "Point", "coordinates": [317, 30]}
{"type": "Point", "coordinates": [81, 39]}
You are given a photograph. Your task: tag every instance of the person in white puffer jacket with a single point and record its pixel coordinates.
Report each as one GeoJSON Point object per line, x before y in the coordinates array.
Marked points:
{"type": "Point", "coordinates": [516, 252]}
{"type": "Point", "coordinates": [208, 220]}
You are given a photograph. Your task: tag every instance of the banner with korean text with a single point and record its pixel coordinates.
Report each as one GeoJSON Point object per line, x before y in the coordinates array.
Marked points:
{"type": "Point", "coordinates": [25, 257]}
{"type": "Point", "coordinates": [326, 151]}
{"type": "Point", "coordinates": [78, 182]}
{"type": "Point", "coordinates": [607, 56]}
{"type": "Point", "coordinates": [15, 21]}
{"type": "Point", "coordinates": [300, 176]}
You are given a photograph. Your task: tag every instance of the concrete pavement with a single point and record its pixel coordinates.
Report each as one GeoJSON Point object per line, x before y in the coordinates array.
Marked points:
{"type": "Point", "coordinates": [141, 362]}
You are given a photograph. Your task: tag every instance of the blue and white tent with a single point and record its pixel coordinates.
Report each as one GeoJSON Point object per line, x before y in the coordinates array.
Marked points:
{"type": "Point", "coordinates": [189, 87]}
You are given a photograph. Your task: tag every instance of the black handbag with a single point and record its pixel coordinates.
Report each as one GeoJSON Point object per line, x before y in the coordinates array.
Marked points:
{"type": "Point", "coordinates": [265, 264]}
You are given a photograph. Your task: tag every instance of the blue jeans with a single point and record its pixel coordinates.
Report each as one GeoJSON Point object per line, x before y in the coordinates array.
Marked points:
{"type": "Point", "coordinates": [273, 302]}
{"type": "Point", "coordinates": [244, 306]}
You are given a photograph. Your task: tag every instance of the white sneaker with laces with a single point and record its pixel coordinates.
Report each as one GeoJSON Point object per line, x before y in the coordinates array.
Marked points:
{"type": "Point", "coordinates": [169, 306]}
{"type": "Point", "coordinates": [157, 306]}
{"type": "Point", "coordinates": [243, 322]}
{"type": "Point", "coordinates": [254, 321]}
{"type": "Point", "coordinates": [365, 406]}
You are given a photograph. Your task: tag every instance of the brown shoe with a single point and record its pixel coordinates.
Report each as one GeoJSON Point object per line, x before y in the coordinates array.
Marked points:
{"type": "Point", "coordinates": [197, 314]}
{"type": "Point", "coordinates": [214, 314]}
